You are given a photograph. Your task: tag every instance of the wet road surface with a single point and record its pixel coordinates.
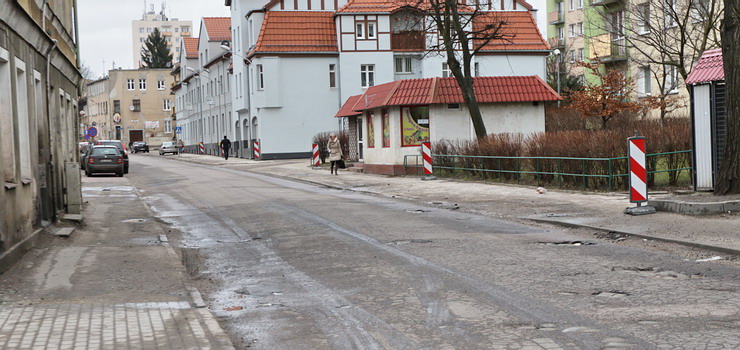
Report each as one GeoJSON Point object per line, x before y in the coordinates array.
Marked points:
{"type": "Point", "coordinates": [288, 265]}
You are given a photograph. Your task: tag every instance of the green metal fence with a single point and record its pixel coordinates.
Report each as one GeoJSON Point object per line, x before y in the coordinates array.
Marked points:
{"type": "Point", "coordinates": [609, 173]}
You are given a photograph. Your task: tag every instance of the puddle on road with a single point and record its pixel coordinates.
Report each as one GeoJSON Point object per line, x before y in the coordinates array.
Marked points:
{"type": "Point", "coordinates": [612, 293]}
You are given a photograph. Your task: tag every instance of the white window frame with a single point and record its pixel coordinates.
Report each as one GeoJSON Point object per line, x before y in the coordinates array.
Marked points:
{"type": "Point", "coordinates": [571, 30]}
{"type": "Point", "coordinates": [360, 30]}
{"type": "Point", "coordinates": [260, 77]}
{"type": "Point", "coordinates": [404, 67]}
{"type": "Point", "coordinates": [561, 33]}
{"type": "Point", "coordinates": [367, 75]}
{"type": "Point", "coordinates": [372, 32]}
{"type": "Point", "coordinates": [476, 69]}
{"type": "Point", "coordinates": [332, 75]}
{"type": "Point", "coordinates": [161, 85]}
{"type": "Point", "coordinates": [579, 4]}
{"type": "Point", "coordinates": [644, 82]}
{"type": "Point", "coordinates": [130, 84]}
{"type": "Point", "coordinates": [167, 125]}
{"type": "Point", "coordinates": [166, 105]}
{"type": "Point", "coordinates": [579, 28]}
{"type": "Point", "coordinates": [571, 5]}
{"type": "Point", "coordinates": [643, 18]}
{"type": "Point", "coordinates": [668, 20]}
{"type": "Point", "coordinates": [142, 84]}
{"type": "Point", "coordinates": [571, 56]}
{"type": "Point", "coordinates": [581, 54]}
{"type": "Point", "coordinates": [671, 79]}
{"type": "Point", "coordinates": [446, 71]}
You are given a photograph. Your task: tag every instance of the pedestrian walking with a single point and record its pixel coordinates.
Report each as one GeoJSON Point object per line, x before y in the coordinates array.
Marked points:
{"type": "Point", "coordinates": [226, 146]}
{"type": "Point", "coordinates": [334, 147]}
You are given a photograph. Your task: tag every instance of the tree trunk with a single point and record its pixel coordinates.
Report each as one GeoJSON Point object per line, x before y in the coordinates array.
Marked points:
{"type": "Point", "coordinates": [728, 180]}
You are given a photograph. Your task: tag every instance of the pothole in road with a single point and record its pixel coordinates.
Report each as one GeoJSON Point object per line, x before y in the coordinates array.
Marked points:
{"type": "Point", "coordinates": [417, 211]}
{"type": "Point", "coordinates": [655, 272]}
{"type": "Point", "coordinates": [408, 241]}
{"type": "Point", "coordinates": [569, 243]}
{"type": "Point", "coordinates": [612, 235]}
{"type": "Point", "coordinates": [612, 293]}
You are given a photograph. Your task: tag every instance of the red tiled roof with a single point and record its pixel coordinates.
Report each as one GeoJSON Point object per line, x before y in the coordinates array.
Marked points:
{"type": "Point", "coordinates": [446, 90]}
{"type": "Point", "coordinates": [297, 31]}
{"type": "Point", "coordinates": [191, 47]}
{"type": "Point", "coordinates": [346, 110]}
{"type": "Point", "coordinates": [520, 30]}
{"type": "Point", "coordinates": [219, 28]}
{"type": "Point", "coordinates": [388, 6]}
{"type": "Point", "coordinates": [709, 68]}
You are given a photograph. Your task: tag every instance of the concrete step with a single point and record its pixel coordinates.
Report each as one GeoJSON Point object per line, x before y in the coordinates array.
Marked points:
{"type": "Point", "coordinates": [72, 217]}
{"type": "Point", "coordinates": [356, 167]}
{"type": "Point", "coordinates": [64, 232]}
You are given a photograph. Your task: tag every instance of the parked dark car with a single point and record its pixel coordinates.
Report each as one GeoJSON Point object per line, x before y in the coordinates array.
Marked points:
{"type": "Point", "coordinates": [104, 159]}
{"type": "Point", "coordinates": [83, 155]}
{"type": "Point", "coordinates": [121, 148]}
{"type": "Point", "coordinates": [140, 146]}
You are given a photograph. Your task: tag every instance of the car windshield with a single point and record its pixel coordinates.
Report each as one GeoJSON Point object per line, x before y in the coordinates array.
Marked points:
{"type": "Point", "coordinates": [104, 151]}
{"type": "Point", "coordinates": [110, 143]}
{"type": "Point", "coordinates": [168, 144]}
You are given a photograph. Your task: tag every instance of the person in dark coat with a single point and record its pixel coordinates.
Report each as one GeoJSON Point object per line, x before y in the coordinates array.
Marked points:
{"type": "Point", "coordinates": [226, 146]}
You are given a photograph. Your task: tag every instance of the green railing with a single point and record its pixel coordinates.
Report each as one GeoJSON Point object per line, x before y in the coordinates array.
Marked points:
{"type": "Point", "coordinates": [609, 173]}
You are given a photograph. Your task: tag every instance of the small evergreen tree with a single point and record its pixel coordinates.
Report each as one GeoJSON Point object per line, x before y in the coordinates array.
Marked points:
{"type": "Point", "coordinates": [155, 53]}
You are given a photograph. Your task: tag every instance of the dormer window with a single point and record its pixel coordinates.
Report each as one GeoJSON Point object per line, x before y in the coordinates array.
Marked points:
{"type": "Point", "coordinates": [360, 30]}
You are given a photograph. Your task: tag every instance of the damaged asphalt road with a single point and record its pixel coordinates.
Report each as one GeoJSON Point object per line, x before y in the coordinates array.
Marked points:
{"type": "Point", "coordinates": [288, 265]}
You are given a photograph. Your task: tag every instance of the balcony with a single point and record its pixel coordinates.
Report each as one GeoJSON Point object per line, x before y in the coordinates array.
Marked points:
{"type": "Point", "coordinates": [617, 50]}
{"type": "Point", "coordinates": [408, 41]}
{"type": "Point", "coordinates": [185, 34]}
{"type": "Point", "coordinates": [605, 2]}
{"type": "Point", "coordinates": [556, 43]}
{"type": "Point", "coordinates": [556, 17]}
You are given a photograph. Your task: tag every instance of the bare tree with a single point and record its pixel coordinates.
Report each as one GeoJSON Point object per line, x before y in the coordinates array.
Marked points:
{"type": "Point", "coordinates": [728, 181]}
{"type": "Point", "coordinates": [462, 32]}
{"type": "Point", "coordinates": [665, 39]}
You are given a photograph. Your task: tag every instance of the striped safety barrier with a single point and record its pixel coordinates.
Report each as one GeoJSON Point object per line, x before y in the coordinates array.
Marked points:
{"type": "Point", "coordinates": [202, 148]}
{"type": "Point", "coordinates": [256, 149]}
{"type": "Point", "coordinates": [426, 150]}
{"type": "Point", "coordinates": [315, 153]}
{"type": "Point", "coordinates": [638, 172]}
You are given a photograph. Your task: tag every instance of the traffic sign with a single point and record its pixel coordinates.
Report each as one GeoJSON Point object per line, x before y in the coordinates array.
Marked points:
{"type": "Point", "coordinates": [178, 130]}
{"type": "Point", "coordinates": [92, 131]}
{"type": "Point", "coordinates": [87, 137]}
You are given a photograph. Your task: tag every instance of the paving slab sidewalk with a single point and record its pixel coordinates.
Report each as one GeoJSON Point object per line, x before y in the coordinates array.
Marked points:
{"type": "Point", "coordinates": [112, 284]}
{"type": "Point", "coordinates": [603, 211]}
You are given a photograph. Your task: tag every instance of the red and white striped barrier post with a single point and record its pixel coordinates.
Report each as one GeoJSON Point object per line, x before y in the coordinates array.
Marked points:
{"type": "Point", "coordinates": [638, 176]}
{"type": "Point", "coordinates": [315, 155]}
{"type": "Point", "coordinates": [202, 148]}
{"type": "Point", "coordinates": [426, 155]}
{"type": "Point", "coordinates": [257, 149]}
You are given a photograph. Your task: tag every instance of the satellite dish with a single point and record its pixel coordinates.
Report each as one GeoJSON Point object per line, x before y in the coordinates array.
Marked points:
{"type": "Point", "coordinates": [131, 108]}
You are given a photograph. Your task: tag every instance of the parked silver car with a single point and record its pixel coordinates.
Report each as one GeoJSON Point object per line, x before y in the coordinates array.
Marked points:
{"type": "Point", "coordinates": [168, 147]}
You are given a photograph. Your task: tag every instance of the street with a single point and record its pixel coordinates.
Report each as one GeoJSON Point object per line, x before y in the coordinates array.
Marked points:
{"type": "Point", "coordinates": [289, 265]}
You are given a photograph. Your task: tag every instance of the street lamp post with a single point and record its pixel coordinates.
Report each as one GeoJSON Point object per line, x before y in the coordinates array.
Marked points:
{"type": "Point", "coordinates": [556, 52]}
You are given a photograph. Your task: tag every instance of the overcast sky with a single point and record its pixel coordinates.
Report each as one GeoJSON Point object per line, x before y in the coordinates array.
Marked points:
{"type": "Point", "coordinates": [105, 26]}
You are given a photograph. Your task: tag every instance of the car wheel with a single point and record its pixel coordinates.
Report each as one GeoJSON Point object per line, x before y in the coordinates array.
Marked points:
{"type": "Point", "coordinates": [87, 173]}
{"type": "Point", "coordinates": [119, 174]}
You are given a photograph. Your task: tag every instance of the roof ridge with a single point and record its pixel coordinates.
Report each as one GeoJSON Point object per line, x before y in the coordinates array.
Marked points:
{"type": "Point", "coordinates": [392, 91]}
{"type": "Point", "coordinates": [433, 90]}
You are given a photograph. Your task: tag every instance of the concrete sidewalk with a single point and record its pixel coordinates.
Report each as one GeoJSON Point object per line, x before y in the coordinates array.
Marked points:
{"type": "Point", "coordinates": [114, 283]}
{"type": "Point", "coordinates": [598, 211]}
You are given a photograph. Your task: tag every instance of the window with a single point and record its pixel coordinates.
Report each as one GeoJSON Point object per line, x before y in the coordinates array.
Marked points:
{"type": "Point", "coordinates": [580, 3]}
{"type": "Point", "coordinates": [166, 105]}
{"type": "Point", "coordinates": [386, 128]}
{"type": "Point", "coordinates": [149, 30]}
{"type": "Point", "coordinates": [142, 84]}
{"type": "Point", "coordinates": [177, 29]}
{"type": "Point", "coordinates": [571, 30]}
{"type": "Point", "coordinates": [446, 72]}
{"type": "Point", "coordinates": [561, 33]}
{"type": "Point", "coordinates": [137, 105]}
{"type": "Point", "coordinates": [367, 75]}
{"type": "Point", "coordinates": [453, 106]}
{"type": "Point", "coordinates": [671, 79]}
{"type": "Point", "coordinates": [476, 69]}
{"type": "Point", "coordinates": [360, 30]}
{"type": "Point", "coordinates": [370, 116]}
{"type": "Point", "coordinates": [616, 24]}
{"type": "Point", "coordinates": [116, 106]}
{"type": "Point", "coordinates": [403, 65]}
{"type": "Point", "coordinates": [572, 56]}
{"type": "Point", "coordinates": [167, 126]}
{"type": "Point", "coordinates": [643, 18]}
{"type": "Point", "coordinates": [7, 142]}
{"type": "Point", "coordinates": [141, 40]}
{"type": "Point", "coordinates": [571, 5]}
{"type": "Point", "coordinates": [130, 84]}
{"type": "Point", "coordinates": [371, 30]}
{"type": "Point", "coordinates": [21, 99]}
{"type": "Point", "coordinates": [644, 87]}
{"type": "Point", "coordinates": [160, 85]}
{"type": "Point", "coordinates": [580, 55]}
{"type": "Point", "coordinates": [414, 125]}
{"type": "Point", "coordinates": [260, 78]}
{"type": "Point", "coordinates": [186, 29]}
{"type": "Point", "coordinates": [579, 27]}
{"type": "Point", "coordinates": [670, 13]}
{"type": "Point", "coordinates": [332, 75]}
{"type": "Point", "coordinates": [700, 10]}
{"type": "Point", "coordinates": [141, 30]}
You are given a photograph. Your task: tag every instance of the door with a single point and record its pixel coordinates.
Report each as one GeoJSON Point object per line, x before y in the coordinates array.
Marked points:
{"type": "Point", "coordinates": [702, 139]}
{"type": "Point", "coordinates": [136, 135]}
{"type": "Point", "coordinates": [360, 141]}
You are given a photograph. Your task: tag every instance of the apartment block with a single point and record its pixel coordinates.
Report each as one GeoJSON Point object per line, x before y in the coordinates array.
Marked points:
{"type": "Point", "coordinates": [173, 30]}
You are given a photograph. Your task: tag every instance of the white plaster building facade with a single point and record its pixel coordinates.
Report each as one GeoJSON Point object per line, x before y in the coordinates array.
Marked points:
{"type": "Point", "coordinates": [172, 29]}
